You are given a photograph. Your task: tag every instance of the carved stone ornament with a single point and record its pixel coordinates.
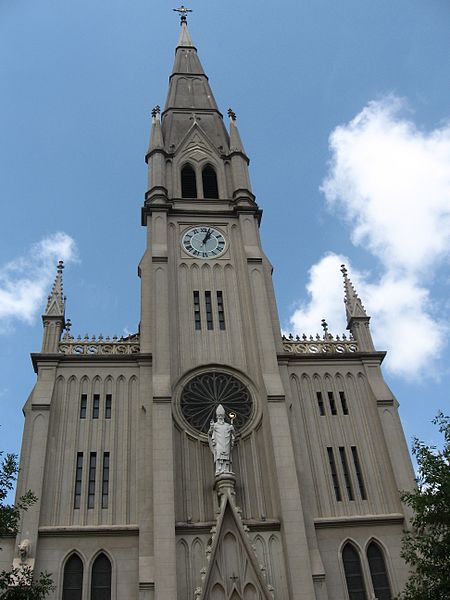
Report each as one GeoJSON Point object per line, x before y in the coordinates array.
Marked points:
{"type": "Point", "coordinates": [203, 394]}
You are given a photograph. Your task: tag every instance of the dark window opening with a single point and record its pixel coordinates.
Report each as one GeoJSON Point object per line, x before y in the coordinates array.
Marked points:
{"type": "Point", "coordinates": [332, 403]}
{"type": "Point", "coordinates": [343, 403]}
{"type": "Point", "coordinates": [96, 406]}
{"type": "Point", "coordinates": [188, 182]}
{"type": "Point", "coordinates": [359, 475]}
{"type": "Point", "coordinates": [378, 572]}
{"type": "Point", "coordinates": [101, 578]}
{"type": "Point", "coordinates": [347, 479]}
{"type": "Point", "coordinates": [334, 475]}
{"type": "Point", "coordinates": [108, 406]}
{"type": "Point", "coordinates": [78, 480]}
{"type": "Point", "coordinates": [105, 480]}
{"type": "Point", "coordinates": [73, 579]}
{"type": "Point", "coordinates": [209, 179]}
{"type": "Point", "coordinates": [353, 573]}
{"type": "Point", "coordinates": [83, 406]}
{"type": "Point", "coordinates": [208, 305]}
{"type": "Point", "coordinates": [320, 404]}
{"type": "Point", "coordinates": [91, 485]}
{"type": "Point", "coordinates": [197, 316]}
{"type": "Point", "coordinates": [220, 310]}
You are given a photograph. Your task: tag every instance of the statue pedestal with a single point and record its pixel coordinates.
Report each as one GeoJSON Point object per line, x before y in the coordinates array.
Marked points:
{"type": "Point", "coordinates": [224, 486]}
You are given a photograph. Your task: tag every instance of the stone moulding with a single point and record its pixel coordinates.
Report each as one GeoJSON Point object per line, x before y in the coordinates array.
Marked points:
{"type": "Point", "coordinates": [88, 346]}
{"type": "Point", "coordinates": [359, 521]}
{"type": "Point", "coordinates": [101, 530]}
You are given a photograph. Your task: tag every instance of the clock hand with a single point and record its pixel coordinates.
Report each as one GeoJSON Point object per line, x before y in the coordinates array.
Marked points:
{"type": "Point", "coordinates": [207, 236]}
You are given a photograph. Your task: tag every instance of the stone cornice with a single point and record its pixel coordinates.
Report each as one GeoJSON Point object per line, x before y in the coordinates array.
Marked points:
{"type": "Point", "coordinates": [196, 528]}
{"type": "Point", "coordinates": [354, 357]}
{"type": "Point", "coordinates": [359, 521]}
{"type": "Point", "coordinates": [85, 531]}
{"type": "Point", "coordinates": [38, 359]}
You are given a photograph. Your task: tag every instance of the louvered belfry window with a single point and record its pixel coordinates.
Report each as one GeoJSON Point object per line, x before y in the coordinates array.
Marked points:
{"type": "Point", "coordinates": [73, 579]}
{"type": "Point", "coordinates": [209, 180]}
{"type": "Point", "coordinates": [353, 573]}
{"type": "Point", "coordinates": [188, 182]}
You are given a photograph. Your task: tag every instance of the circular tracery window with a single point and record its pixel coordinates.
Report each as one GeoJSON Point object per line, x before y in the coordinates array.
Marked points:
{"type": "Point", "coordinates": [202, 395]}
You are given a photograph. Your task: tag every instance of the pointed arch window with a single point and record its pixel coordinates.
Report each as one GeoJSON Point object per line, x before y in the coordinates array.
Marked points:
{"type": "Point", "coordinates": [378, 572]}
{"type": "Point", "coordinates": [209, 180]}
{"type": "Point", "coordinates": [188, 182]}
{"type": "Point", "coordinates": [353, 573]}
{"type": "Point", "coordinates": [73, 578]}
{"type": "Point", "coordinates": [101, 578]}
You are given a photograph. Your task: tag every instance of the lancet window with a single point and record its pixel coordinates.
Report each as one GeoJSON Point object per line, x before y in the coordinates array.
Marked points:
{"type": "Point", "coordinates": [378, 572]}
{"type": "Point", "coordinates": [188, 182]}
{"type": "Point", "coordinates": [209, 180]}
{"type": "Point", "coordinates": [353, 573]}
{"type": "Point", "coordinates": [73, 579]}
{"type": "Point", "coordinates": [101, 578]}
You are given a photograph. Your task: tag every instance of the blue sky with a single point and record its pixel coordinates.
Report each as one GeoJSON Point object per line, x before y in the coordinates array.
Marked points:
{"type": "Point", "coordinates": [344, 111]}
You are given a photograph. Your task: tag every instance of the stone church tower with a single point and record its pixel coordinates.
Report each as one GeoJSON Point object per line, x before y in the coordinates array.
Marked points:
{"type": "Point", "coordinates": [207, 457]}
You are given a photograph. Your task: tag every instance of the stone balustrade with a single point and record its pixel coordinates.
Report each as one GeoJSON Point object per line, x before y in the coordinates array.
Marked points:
{"type": "Point", "coordinates": [326, 344]}
{"type": "Point", "coordinates": [99, 345]}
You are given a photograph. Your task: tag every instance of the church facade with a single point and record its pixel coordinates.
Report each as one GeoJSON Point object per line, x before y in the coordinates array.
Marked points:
{"type": "Point", "coordinates": [207, 456]}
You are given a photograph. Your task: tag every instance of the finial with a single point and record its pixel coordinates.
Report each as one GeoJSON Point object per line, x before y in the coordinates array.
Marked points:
{"type": "Point", "coordinates": [232, 114]}
{"type": "Point", "coordinates": [183, 12]}
{"type": "Point", "coordinates": [156, 110]}
{"type": "Point", "coordinates": [325, 328]}
{"type": "Point", "coordinates": [68, 325]}
{"type": "Point", "coordinates": [60, 267]}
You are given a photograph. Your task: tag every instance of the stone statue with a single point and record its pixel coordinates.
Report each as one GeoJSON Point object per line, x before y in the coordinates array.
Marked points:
{"type": "Point", "coordinates": [221, 441]}
{"type": "Point", "coordinates": [24, 550]}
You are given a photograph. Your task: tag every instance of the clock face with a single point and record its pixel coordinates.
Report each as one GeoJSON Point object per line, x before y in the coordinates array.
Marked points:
{"type": "Point", "coordinates": [203, 242]}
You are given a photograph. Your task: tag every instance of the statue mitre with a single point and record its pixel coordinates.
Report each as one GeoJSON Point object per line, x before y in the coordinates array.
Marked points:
{"type": "Point", "coordinates": [220, 411]}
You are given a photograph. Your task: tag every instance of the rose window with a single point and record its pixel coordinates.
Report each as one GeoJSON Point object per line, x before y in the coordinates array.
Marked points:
{"type": "Point", "coordinates": [202, 395]}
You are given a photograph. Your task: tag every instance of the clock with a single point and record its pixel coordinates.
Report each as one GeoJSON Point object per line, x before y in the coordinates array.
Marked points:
{"type": "Point", "coordinates": [203, 241]}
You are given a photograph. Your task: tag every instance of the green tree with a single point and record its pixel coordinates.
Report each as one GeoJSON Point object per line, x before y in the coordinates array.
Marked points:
{"type": "Point", "coordinates": [427, 547]}
{"type": "Point", "coordinates": [17, 584]}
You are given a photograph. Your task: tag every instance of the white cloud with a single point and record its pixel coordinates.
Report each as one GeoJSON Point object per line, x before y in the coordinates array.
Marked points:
{"type": "Point", "coordinates": [391, 183]}
{"type": "Point", "coordinates": [26, 281]}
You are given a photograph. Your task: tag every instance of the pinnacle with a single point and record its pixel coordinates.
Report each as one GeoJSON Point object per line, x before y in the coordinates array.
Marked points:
{"type": "Point", "coordinates": [353, 304]}
{"type": "Point", "coordinates": [56, 301]}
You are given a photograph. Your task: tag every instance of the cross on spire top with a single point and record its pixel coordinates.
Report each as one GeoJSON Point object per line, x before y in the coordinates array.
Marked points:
{"type": "Point", "coordinates": [183, 12]}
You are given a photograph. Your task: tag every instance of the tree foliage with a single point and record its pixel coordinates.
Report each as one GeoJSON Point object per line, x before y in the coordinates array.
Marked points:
{"type": "Point", "coordinates": [19, 583]}
{"type": "Point", "coordinates": [427, 547]}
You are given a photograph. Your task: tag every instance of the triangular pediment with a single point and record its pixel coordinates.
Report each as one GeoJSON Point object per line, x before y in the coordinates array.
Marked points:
{"type": "Point", "coordinates": [196, 145]}
{"type": "Point", "coordinates": [233, 571]}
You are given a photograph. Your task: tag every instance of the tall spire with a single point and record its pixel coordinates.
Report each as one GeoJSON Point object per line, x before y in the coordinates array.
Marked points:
{"type": "Point", "coordinates": [357, 318]}
{"type": "Point", "coordinates": [56, 301]}
{"type": "Point", "coordinates": [190, 99]}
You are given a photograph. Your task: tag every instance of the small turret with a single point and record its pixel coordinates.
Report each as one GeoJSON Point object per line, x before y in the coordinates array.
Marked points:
{"type": "Point", "coordinates": [357, 318]}
{"type": "Point", "coordinates": [54, 315]}
{"type": "Point", "coordinates": [155, 158]}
